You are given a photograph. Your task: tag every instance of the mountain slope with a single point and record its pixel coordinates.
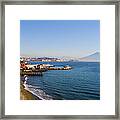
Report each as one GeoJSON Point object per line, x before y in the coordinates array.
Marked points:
{"type": "Point", "coordinates": [91, 58]}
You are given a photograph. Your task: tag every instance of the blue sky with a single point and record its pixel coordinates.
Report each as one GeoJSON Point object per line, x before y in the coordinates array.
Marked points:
{"type": "Point", "coordinates": [57, 38]}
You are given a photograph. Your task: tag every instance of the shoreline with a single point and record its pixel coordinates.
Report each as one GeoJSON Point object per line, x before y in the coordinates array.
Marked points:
{"type": "Point", "coordinates": [26, 95]}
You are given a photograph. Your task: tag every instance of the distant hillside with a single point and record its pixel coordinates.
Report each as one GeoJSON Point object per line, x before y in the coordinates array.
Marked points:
{"type": "Point", "coordinates": [91, 58]}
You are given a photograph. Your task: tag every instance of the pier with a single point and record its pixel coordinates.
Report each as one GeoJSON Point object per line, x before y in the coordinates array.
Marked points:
{"type": "Point", "coordinates": [60, 68]}
{"type": "Point", "coordinates": [32, 73]}
{"type": "Point", "coordinates": [38, 69]}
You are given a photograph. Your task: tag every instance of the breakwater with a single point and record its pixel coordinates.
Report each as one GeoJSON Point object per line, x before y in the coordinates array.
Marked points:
{"type": "Point", "coordinates": [40, 68]}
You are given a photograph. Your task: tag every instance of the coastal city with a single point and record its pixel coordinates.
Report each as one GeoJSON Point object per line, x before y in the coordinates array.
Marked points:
{"type": "Point", "coordinates": [36, 69]}
{"type": "Point", "coordinates": [42, 59]}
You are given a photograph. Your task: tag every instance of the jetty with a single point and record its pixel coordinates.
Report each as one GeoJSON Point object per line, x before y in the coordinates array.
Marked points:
{"type": "Point", "coordinates": [60, 68]}
{"type": "Point", "coordinates": [38, 69]}
{"type": "Point", "coordinates": [32, 73]}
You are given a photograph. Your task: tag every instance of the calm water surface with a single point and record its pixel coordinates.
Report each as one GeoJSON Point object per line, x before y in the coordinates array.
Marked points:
{"type": "Point", "coordinates": [80, 83]}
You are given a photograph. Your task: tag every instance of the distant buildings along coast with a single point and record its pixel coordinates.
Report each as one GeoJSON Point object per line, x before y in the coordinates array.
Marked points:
{"type": "Point", "coordinates": [95, 57]}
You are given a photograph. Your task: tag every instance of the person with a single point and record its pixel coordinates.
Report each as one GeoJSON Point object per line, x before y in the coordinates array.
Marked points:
{"type": "Point", "coordinates": [25, 79]}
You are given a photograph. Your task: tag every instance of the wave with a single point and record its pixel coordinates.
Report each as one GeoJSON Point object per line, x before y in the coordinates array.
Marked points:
{"type": "Point", "coordinates": [37, 92]}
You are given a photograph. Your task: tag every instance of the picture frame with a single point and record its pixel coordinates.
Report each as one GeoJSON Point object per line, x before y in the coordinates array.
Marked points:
{"type": "Point", "coordinates": [79, 2]}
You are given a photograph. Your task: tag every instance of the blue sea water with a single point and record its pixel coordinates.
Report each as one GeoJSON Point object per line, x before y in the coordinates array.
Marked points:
{"type": "Point", "coordinates": [82, 82]}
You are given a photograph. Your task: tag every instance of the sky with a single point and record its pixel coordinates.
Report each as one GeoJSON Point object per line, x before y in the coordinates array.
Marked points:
{"type": "Point", "coordinates": [58, 38]}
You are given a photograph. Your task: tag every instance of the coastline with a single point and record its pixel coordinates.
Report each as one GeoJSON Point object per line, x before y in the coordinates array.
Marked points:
{"type": "Point", "coordinates": [41, 86]}
{"type": "Point", "coordinates": [26, 95]}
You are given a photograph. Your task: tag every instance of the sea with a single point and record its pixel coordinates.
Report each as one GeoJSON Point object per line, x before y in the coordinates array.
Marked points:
{"type": "Point", "coordinates": [82, 82]}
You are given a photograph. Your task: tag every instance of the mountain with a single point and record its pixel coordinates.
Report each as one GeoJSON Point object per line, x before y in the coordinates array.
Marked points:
{"type": "Point", "coordinates": [91, 58]}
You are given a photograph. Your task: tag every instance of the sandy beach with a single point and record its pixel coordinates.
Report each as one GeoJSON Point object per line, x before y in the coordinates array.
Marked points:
{"type": "Point", "coordinates": [26, 95]}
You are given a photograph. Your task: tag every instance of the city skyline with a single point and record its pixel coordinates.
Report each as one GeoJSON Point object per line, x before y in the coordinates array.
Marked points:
{"type": "Point", "coordinates": [58, 38]}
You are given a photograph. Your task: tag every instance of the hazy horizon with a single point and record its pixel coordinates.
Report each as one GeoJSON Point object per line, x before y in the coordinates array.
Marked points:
{"type": "Point", "coordinates": [59, 38]}
{"type": "Point", "coordinates": [59, 56]}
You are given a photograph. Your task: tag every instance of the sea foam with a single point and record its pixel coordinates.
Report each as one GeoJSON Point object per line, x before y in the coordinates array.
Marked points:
{"type": "Point", "coordinates": [37, 92]}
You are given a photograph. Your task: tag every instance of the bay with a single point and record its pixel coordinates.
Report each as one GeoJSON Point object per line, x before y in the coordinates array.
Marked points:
{"type": "Point", "coordinates": [82, 82]}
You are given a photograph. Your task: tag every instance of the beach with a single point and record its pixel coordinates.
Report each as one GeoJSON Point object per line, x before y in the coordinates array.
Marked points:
{"type": "Point", "coordinates": [26, 95]}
